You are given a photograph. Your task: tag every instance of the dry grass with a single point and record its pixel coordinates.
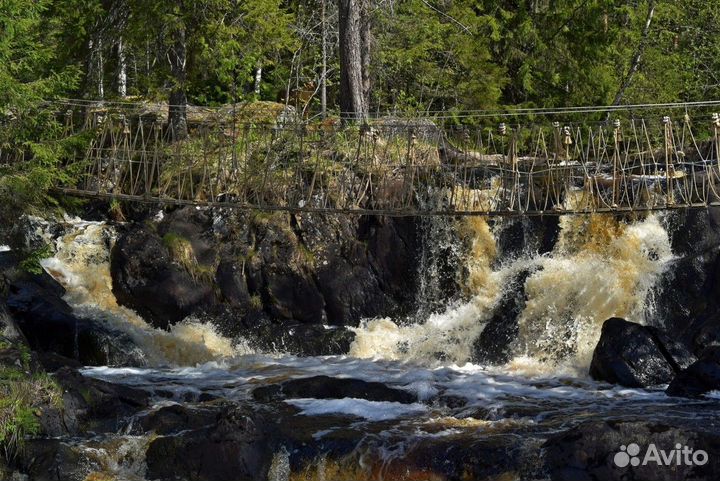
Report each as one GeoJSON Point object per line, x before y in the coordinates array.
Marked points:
{"type": "Point", "coordinates": [181, 252]}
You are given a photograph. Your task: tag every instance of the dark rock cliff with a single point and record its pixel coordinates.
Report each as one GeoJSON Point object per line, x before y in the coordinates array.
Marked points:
{"type": "Point", "coordinates": [287, 268]}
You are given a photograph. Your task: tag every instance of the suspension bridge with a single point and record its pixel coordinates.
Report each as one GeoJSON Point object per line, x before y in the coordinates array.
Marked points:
{"type": "Point", "coordinates": [497, 163]}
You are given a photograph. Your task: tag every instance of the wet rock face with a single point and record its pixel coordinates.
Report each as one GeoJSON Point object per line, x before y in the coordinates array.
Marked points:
{"type": "Point", "coordinates": [517, 236]}
{"type": "Point", "coordinates": [700, 377]}
{"type": "Point", "coordinates": [587, 452]}
{"type": "Point", "coordinates": [325, 387]}
{"type": "Point", "coordinates": [176, 418]}
{"type": "Point", "coordinates": [235, 447]}
{"type": "Point", "coordinates": [50, 326]}
{"type": "Point", "coordinates": [300, 339]}
{"type": "Point", "coordinates": [146, 280]}
{"type": "Point", "coordinates": [687, 302]}
{"type": "Point", "coordinates": [637, 356]}
{"type": "Point", "coordinates": [296, 269]}
{"type": "Point", "coordinates": [495, 343]}
{"type": "Point", "coordinates": [30, 233]}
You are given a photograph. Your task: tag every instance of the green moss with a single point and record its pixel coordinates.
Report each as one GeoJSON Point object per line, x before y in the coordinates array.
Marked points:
{"type": "Point", "coordinates": [306, 254]}
{"type": "Point", "coordinates": [181, 251]}
{"type": "Point", "coordinates": [256, 302]}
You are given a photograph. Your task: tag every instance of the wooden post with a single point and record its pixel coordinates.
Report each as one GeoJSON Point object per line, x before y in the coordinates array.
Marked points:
{"type": "Point", "coordinates": [668, 162]}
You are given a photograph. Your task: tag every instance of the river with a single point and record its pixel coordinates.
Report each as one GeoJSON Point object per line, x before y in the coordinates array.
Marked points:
{"type": "Point", "coordinates": [609, 269]}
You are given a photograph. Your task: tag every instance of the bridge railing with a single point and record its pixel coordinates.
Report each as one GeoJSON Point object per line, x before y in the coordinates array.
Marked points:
{"type": "Point", "coordinates": [523, 164]}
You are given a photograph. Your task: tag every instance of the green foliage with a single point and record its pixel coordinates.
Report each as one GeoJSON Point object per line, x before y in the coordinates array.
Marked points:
{"type": "Point", "coordinates": [31, 263]}
{"type": "Point", "coordinates": [425, 57]}
{"type": "Point", "coordinates": [29, 74]}
{"type": "Point", "coordinates": [440, 63]}
{"type": "Point", "coordinates": [22, 395]}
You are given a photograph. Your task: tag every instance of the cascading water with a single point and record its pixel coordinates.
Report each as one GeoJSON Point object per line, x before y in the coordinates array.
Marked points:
{"type": "Point", "coordinates": [599, 268]}
{"type": "Point", "coordinates": [82, 265]}
{"type": "Point", "coordinates": [438, 271]}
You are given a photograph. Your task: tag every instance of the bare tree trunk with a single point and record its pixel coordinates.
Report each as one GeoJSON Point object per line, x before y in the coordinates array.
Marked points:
{"type": "Point", "coordinates": [177, 114]}
{"type": "Point", "coordinates": [122, 69]}
{"type": "Point", "coordinates": [635, 64]}
{"type": "Point", "coordinates": [90, 67]}
{"type": "Point", "coordinates": [100, 69]}
{"type": "Point", "coordinates": [365, 45]}
{"type": "Point", "coordinates": [258, 79]}
{"type": "Point", "coordinates": [352, 101]}
{"type": "Point", "coordinates": [323, 78]}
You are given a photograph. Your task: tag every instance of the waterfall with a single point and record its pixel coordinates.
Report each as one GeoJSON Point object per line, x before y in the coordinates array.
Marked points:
{"type": "Point", "coordinates": [82, 265]}
{"type": "Point", "coordinates": [600, 267]}
{"type": "Point", "coordinates": [438, 265]}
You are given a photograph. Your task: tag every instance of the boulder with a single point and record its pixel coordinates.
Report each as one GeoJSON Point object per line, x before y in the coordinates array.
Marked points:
{"type": "Point", "coordinates": [463, 456]}
{"type": "Point", "coordinates": [237, 446]}
{"type": "Point", "coordinates": [495, 343]}
{"type": "Point", "coordinates": [51, 460]}
{"type": "Point", "coordinates": [587, 452]}
{"type": "Point", "coordinates": [700, 377]}
{"type": "Point", "coordinates": [49, 325]}
{"type": "Point", "coordinates": [637, 356]}
{"type": "Point", "coordinates": [176, 418]}
{"type": "Point", "coordinates": [146, 279]}
{"type": "Point", "coordinates": [325, 387]}
{"type": "Point", "coordinates": [94, 405]}
{"type": "Point", "coordinates": [300, 339]}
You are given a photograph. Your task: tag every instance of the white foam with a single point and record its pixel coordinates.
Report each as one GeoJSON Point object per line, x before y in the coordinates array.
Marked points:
{"type": "Point", "coordinates": [5, 248]}
{"type": "Point", "coordinates": [599, 268]}
{"type": "Point", "coordinates": [370, 410]}
{"type": "Point", "coordinates": [82, 265]}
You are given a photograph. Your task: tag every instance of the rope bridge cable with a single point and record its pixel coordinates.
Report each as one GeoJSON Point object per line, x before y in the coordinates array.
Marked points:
{"type": "Point", "coordinates": [536, 165]}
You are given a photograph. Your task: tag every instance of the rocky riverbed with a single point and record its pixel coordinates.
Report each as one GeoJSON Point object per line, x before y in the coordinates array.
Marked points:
{"type": "Point", "coordinates": [201, 344]}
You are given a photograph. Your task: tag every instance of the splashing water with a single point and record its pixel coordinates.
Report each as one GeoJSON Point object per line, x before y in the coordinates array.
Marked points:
{"type": "Point", "coordinates": [448, 335]}
{"type": "Point", "coordinates": [607, 272]}
{"type": "Point", "coordinates": [82, 266]}
{"type": "Point", "coordinates": [599, 268]}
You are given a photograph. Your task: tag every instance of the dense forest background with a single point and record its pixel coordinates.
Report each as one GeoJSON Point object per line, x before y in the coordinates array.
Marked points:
{"type": "Point", "coordinates": [351, 58]}
{"type": "Point", "coordinates": [412, 56]}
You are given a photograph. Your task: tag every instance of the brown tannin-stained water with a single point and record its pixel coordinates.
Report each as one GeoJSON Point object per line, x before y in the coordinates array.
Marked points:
{"type": "Point", "coordinates": [610, 270]}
